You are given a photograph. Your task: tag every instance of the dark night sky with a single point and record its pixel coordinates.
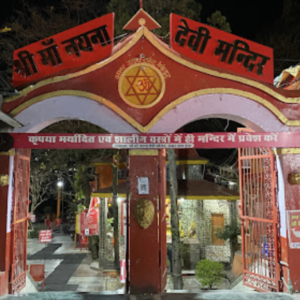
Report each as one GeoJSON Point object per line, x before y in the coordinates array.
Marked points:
{"type": "Point", "coordinates": [245, 17]}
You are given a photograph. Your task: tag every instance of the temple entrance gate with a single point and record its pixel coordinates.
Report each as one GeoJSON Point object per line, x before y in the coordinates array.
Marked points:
{"type": "Point", "coordinates": [259, 218]}
{"type": "Point", "coordinates": [258, 188]}
{"type": "Point", "coordinates": [143, 86]}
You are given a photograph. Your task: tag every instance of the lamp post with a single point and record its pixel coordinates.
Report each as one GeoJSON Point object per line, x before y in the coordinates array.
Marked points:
{"type": "Point", "coordinates": [59, 186]}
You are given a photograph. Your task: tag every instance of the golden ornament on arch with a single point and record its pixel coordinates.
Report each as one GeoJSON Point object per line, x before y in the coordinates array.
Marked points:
{"type": "Point", "coordinates": [141, 85]}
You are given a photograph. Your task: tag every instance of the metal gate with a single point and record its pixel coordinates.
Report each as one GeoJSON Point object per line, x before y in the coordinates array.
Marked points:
{"type": "Point", "coordinates": [259, 219]}
{"type": "Point", "coordinates": [19, 221]}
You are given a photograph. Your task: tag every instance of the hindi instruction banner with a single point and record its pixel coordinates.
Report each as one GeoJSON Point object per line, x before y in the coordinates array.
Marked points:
{"type": "Point", "coordinates": [89, 220]}
{"type": "Point", "coordinates": [156, 141]}
{"type": "Point", "coordinates": [293, 219]}
{"type": "Point", "coordinates": [45, 236]}
{"type": "Point", "coordinates": [221, 49]}
{"type": "Point", "coordinates": [77, 47]}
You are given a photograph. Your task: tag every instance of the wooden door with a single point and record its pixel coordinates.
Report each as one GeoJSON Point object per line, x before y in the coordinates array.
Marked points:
{"type": "Point", "coordinates": [217, 223]}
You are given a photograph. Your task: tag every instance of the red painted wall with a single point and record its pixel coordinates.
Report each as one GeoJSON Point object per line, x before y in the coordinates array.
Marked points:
{"type": "Point", "coordinates": [4, 237]}
{"type": "Point", "coordinates": [291, 163]}
{"type": "Point", "coordinates": [144, 244]}
{"type": "Point", "coordinates": [105, 176]}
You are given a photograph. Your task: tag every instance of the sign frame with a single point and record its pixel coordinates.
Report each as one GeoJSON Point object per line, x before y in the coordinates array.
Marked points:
{"type": "Point", "coordinates": [221, 49]}
{"type": "Point", "coordinates": [292, 243]}
{"type": "Point", "coordinates": [45, 236]}
{"type": "Point", "coordinates": [77, 47]}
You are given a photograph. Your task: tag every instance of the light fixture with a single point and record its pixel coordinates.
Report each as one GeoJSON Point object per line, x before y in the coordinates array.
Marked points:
{"type": "Point", "coordinates": [59, 183]}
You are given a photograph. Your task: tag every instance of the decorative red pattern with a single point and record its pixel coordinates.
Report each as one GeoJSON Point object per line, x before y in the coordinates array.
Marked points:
{"type": "Point", "coordinates": [259, 219]}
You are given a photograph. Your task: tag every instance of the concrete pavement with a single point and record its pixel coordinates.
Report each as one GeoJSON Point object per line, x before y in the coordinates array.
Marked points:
{"type": "Point", "coordinates": [70, 277]}
{"type": "Point", "coordinates": [66, 268]}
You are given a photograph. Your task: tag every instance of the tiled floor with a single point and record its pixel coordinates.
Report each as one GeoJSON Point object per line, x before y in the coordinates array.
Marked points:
{"type": "Point", "coordinates": [66, 268]}
{"type": "Point", "coordinates": [88, 280]}
{"type": "Point", "coordinates": [296, 296]}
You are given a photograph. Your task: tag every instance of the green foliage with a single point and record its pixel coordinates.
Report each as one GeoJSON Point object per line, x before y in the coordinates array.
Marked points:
{"type": "Point", "coordinates": [230, 232]}
{"type": "Point", "coordinates": [109, 224]}
{"type": "Point", "coordinates": [219, 21]}
{"type": "Point", "coordinates": [209, 272]}
{"type": "Point", "coordinates": [80, 208]}
{"type": "Point", "coordinates": [71, 165]}
{"type": "Point", "coordinates": [48, 210]}
{"type": "Point", "coordinates": [34, 234]}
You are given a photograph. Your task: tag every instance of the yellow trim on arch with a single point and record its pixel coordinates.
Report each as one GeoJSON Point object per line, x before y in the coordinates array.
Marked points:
{"type": "Point", "coordinates": [106, 195]}
{"type": "Point", "coordinates": [279, 151]}
{"type": "Point", "coordinates": [152, 39]}
{"type": "Point", "coordinates": [190, 162]}
{"type": "Point", "coordinates": [236, 92]}
{"type": "Point", "coordinates": [165, 110]}
{"type": "Point", "coordinates": [91, 96]}
{"type": "Point", "coordinates": [89, 69]}
{"type": "Point", "coordinates": [227, 198]}
{"type": "Point", "coordinates": [256, 84]}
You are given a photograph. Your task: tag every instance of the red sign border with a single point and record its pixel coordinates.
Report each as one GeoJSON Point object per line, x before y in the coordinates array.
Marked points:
{"type": "Point", "coordinates": [212, 59]}
{"type": "Point", "coordinates": [45, 242]}
{"type": "Point", "coordinates": [291, 244]}
{"type": "Point", "coordinates": [48, 49]}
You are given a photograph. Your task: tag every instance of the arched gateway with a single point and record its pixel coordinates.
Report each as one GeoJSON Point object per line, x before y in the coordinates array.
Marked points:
{"type": "Point", "coordinates": [141, 85]}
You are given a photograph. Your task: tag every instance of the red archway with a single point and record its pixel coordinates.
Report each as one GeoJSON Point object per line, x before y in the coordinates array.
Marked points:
{"type": "Point", "coordinates": [144, 86]}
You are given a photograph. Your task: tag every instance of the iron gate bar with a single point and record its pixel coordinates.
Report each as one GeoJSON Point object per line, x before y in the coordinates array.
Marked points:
{"type": "Point", "coordinates": [259, 219]}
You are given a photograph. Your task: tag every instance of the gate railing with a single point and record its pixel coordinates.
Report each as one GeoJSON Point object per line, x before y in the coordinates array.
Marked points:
{"type": "Point", "coordinates": [259, 219]}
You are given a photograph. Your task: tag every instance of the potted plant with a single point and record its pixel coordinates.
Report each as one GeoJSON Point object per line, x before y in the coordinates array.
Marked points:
{"type": "Point", "coordinates": [209, 272]}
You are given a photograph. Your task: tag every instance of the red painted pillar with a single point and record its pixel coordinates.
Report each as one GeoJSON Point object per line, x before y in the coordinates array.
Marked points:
{"type": "Point", "coordinates": [147, 228]}
{"type": "Point", "coordinates": [290, 256]}
{"type": "Point", "coordinates": [4, 236]}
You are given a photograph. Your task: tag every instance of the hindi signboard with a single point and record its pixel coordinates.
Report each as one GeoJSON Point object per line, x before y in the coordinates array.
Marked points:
{"type": "Point", "coordinates": [77, 47]}
{"type": "Point", "coordinates": [214, 140]}
{"type": "Point", "coordinates": [89, 220]}
{"type": "Point", "coordinates": [123, 270]}
{"type": "Point", "coordinates": [221, 49]}
{"type": "Point", "coordinates": [33, 218]}
{"type": "Point", "coordinates": [45, 236]}
{"type": "Point", "coordinates": [293, 218]}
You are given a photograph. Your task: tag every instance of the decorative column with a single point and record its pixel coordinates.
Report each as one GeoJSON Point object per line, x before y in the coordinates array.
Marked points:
{"type": "Point", "coordinates": [147, 228]}
{"type": "Point", "coordinates": [6, 164]}
{"type": "Point", "coordinates": [289, 207]}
